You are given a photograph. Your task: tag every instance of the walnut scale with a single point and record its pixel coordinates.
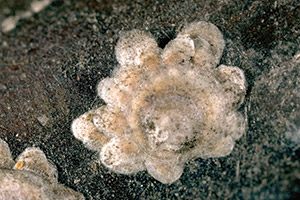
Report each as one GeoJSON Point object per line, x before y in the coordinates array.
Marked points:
{"type": "Point", "coordinates": [166, 106]}
{"type": "Point", "coordinates": [31, 177]}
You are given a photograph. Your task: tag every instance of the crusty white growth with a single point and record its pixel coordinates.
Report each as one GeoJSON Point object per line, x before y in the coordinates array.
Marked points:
{"type": "Point", "coordinates": [116, 155]}
{"type": "Point", "coordinates": [180, 49]}
{"type": "Point", "coordinates": [135, 47]}
{"type": "Point", "coordinates": [34, 160]}
{"type": "Point", "coordinates": [166, 106]}
{"type": "Point", "coordinates": [208, 40]}
{"type": "Point", "coordinates": [6, 160]}
{"type": "Point", "coordinates": [32, 177]}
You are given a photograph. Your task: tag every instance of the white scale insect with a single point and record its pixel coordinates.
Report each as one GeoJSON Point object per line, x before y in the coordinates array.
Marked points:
{"type": "Point", "coordinates": [31, 177]}
{"type": "Point", "coordinates": [166, 106]}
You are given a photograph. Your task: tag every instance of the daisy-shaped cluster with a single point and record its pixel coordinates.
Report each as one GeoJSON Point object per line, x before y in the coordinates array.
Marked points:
{"type": "Point", "coordinates": [167, 106]}
{"type": "Point", "coordinates": [31, 177]}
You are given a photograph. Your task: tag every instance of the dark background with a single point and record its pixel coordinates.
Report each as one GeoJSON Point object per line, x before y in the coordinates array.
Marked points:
{"type": "Point", "coordinates": [51, 63]}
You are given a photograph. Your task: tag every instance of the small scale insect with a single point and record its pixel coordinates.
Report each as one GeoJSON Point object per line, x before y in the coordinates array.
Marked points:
{"type": "Point", "coordinates": [166, 106]}
{"type": "Point", "coordinates": [31, 177]}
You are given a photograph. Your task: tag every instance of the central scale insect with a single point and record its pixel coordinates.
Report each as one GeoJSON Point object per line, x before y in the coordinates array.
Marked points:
{"type": "Point", "coordinates": [166, 106]}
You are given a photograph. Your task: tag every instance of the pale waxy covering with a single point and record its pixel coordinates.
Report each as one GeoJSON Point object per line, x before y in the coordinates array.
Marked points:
{"type": "Point", "coordinates": [31, 177]}
{"type": "Point", "coordinates": [166, 106]}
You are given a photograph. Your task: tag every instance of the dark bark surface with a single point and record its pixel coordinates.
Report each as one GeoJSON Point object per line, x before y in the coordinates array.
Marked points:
{"type": "Point", "coordinates": [51, 62]}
